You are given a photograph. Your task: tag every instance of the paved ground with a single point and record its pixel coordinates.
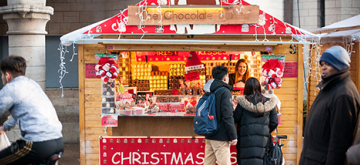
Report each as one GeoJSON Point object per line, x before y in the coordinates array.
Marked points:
{"type": "Point", "coordinates": [71, 154]}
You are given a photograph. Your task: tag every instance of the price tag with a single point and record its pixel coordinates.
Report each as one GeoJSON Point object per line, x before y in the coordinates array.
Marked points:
{"type": "Point", "coordinates": [109, 120]}
{"type": "Point", "coordinates": [192, 76]}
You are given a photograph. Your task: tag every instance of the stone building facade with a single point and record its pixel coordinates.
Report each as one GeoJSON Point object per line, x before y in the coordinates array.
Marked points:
{"type": "Point", "coordinates": [320, 13]}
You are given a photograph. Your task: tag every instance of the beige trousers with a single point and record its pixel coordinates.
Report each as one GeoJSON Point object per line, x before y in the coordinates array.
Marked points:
{"type": "Point", "coordinates": [217, 151]}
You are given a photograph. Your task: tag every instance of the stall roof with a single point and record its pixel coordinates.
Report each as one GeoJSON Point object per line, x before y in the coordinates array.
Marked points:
{"type": "Point", "coordinates": [348, 28]}
{"type": "Point", "coordinates": [117, 25]}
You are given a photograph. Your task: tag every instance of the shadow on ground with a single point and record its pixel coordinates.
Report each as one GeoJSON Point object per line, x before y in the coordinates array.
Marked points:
{"type": "Point", "coordinates": [71, 154]}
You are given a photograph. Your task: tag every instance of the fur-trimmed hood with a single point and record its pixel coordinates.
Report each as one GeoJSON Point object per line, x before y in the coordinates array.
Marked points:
{"type": "Point", "coordinates": [259, 107]}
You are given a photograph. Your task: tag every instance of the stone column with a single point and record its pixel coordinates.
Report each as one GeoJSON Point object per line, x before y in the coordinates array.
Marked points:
{"type": "Point", "coordinates": [27, 20]}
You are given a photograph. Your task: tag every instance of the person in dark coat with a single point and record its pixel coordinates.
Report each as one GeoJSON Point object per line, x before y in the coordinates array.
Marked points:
{"type": "Point", "coordinates": [329, 129]}
{"type": "Point", "coordinates": [241, 74]}
{"type": "Point", "coordinates": [353, 154]}
{"type": "Point", "coordinates": [256, 117]}
{"type": "Point", "coordinates": [217, 147]}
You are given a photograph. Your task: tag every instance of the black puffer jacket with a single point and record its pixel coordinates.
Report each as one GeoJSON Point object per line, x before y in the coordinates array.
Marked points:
{"type": "Point", "coordinates": [256, 120]}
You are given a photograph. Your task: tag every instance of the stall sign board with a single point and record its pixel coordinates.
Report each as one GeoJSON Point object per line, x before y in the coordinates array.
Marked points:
{"type": "Point", "coordinates": [192, 76]}
{"type": "Point", "coordinates": [90, 71]}
{"type": "Point", "coordinates": [154, 150]}
{"type": "Point", "coordinates": [290, 70]}
{"type": "Point", "coordinates": [109, 120]}
{"type": "Point", "coordinates": [249, 14]}
{"type": "Point", "coordinates": [154, 56]}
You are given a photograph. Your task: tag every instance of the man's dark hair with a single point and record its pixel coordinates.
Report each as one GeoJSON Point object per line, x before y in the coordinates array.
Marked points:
{"type": "Point", "coordinates": [219, 72]}
{"type": "Point", "coordinates": [15, 65]}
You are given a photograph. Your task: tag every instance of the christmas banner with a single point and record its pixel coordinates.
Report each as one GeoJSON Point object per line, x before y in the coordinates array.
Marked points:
{"type": "Point", "coordinates": [158, 56]}
{"type": "Point", "coordinates": [154, 150]}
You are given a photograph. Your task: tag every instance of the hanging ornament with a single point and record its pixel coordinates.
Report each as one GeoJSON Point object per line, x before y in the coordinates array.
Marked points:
{"type": "Point", "coordinates": [288, 30]}
{"type": "Point", "coordinates": [272, 70]}
{"type": "Point", "coordinates": [245, 28]}
{"type": "Point", "coordinates": [272, 28]}
{"type": "Point", "coordinates": [262, 19]}
{"type": "Point", "coordinates": [106, 69]}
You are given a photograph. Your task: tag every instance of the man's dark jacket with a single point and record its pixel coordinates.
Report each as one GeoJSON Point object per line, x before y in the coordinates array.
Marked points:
{"type": "Point", "coordinates": [224, 112]}
{"type": "Point", "coordinates": [329, 129]}
{"type": "Point", "coordinates": [256, 120]}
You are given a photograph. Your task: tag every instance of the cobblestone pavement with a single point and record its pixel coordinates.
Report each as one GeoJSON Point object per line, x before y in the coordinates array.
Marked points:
{"type": "Point", "coordinates": [71, 154]}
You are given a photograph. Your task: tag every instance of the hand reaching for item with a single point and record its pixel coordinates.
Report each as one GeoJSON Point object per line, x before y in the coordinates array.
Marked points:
{"type": "Point", "coordinates": [2, 130]}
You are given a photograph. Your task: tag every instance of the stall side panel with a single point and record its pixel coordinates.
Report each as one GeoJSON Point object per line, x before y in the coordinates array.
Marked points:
{"type": "Point", "coordinates": [289, 97]}
{"type": "Point", "coordinates": [92, 100]}
{"type": "Point", "coordinates": [81, 104]}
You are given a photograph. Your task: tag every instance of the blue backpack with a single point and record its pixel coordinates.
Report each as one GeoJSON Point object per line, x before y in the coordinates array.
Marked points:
{"type": "Point", "coordinates": [205, 121]}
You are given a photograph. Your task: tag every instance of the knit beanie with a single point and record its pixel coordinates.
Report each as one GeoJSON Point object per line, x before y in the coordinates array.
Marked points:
{"type": "Point", "coordinates": [337, 57]}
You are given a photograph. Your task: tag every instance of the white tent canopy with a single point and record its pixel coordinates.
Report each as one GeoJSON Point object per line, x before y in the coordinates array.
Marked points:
{"type": "Point", "coordinates": [349, 28]}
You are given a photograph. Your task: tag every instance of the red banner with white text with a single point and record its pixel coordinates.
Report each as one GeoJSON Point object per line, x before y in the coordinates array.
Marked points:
{"type": "Point", "coordinates": [154, 150]}
{"type": "Point", "coordinates": [157, 56]}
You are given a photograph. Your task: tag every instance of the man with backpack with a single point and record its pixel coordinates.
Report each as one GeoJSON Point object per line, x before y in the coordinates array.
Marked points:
{"type": "Point", "coordinates": [217, 147]}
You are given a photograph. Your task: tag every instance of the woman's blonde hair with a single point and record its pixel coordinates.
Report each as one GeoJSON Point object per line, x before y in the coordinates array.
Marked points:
{"type": "Point", "coordinates": [246, 75]}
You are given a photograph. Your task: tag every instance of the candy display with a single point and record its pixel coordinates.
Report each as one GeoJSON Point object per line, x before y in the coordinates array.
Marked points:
{"type": "Point", "coordinates": [108, 97]}
{"type": "Point", "coordinates": [142, 85]}
{"type": "Point", "coordinates": [159, 80]}
{"type": "Point", "coordinates": [124, 71]}
{"type": "Point", "coordinates": [141, 71]}
{"type": "Point", "coordinates": [161, 88]}
{"type": "Point", "coordinates": [177, 70]}
{"type": "Point", "coordinates": [175, 82]}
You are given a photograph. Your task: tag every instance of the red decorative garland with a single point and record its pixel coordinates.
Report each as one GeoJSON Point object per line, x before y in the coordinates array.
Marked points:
{"type": "Point", "coordinates": [273, 71]}
{"type": "Point", "coordinates": [106, 69]}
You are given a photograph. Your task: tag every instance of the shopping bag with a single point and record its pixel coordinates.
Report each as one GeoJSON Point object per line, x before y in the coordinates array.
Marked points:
{"type": "Point", "coordinates": [4, 141]}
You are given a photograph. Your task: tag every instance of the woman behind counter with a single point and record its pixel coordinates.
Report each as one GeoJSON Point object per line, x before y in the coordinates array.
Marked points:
{"type": "Point", "coordinates": [256, 117]}
{"type": "Point", "coordinates": [238, 79]}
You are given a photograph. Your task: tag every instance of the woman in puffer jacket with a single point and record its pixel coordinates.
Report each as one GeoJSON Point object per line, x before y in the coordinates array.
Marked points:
{"type": "Point", "coordinates": [256, 117]}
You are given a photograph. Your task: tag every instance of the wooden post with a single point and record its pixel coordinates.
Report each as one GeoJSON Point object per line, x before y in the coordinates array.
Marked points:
{"type": "Point", "coordinates": [300, 101]}
{"type": "Point", "coordinates": [309, 83]}
{"type": "Point", "coordinates": [357, 54]}
{"type": "Point", "coordinates": [82, 103]}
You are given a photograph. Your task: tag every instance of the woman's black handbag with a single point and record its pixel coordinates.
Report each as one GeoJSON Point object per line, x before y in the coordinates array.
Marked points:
{"type": "Point", "coordinates": [268, 152]}
{"type": "Point", "coordinates": [273, 153]}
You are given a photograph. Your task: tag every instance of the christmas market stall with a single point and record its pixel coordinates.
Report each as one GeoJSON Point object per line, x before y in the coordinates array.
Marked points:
{"type": "Point", "coordinates": [141, 74]}
{"type": "Point", "coordinates": [345, 33]}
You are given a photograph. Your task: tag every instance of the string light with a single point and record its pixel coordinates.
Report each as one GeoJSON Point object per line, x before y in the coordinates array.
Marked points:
{"type": "Point", "coordinates": [348, 45]}
{"type": "Point", "coordinates": [256, 39]}
{"type": "Point", "coordinates": [74, 53]}
{"type": "Point", "coordinates": [62, 69]}
{"type": "Point", "coordinates": [122, 20]}
{"type": "Point", "coordinates": [141, 11]}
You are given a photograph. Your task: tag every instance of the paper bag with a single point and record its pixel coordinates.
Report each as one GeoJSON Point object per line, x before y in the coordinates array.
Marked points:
{"type": "Point", "coordinates": [4, 142]}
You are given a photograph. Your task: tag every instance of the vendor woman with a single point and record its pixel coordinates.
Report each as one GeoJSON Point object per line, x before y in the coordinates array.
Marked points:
{"type": "Point", "coordinates": [238, 79]}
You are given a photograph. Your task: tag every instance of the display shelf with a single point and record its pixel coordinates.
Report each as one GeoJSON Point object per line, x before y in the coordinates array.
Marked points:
{"type": "Point", "coordinates": [161, 114]}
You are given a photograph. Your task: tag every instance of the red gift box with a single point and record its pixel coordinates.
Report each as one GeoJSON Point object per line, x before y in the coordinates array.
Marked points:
{"type": "Point", "coordinates": [164, 107]}
{"type": "Point", "coordinates": [176, 107]}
